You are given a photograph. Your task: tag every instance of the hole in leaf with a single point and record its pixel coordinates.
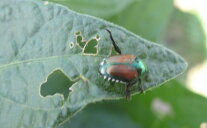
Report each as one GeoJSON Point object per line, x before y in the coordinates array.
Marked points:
{"type": "Point", "coordinates": [97, 37]}
{"type": "Point", "coordinates": [57, 82]}
{"type": "Point", "coordinates": [71, 45]}
{"type": "Point", "coordinates": [80, 41]}
{"type": "Point", "coordinates": [91, 47]}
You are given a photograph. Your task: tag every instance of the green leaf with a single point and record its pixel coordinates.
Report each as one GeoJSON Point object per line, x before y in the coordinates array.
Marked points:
{"type": "Point", "coordinates": [99, 8]}
{"type": "Point", "coordinates": [39, 40]}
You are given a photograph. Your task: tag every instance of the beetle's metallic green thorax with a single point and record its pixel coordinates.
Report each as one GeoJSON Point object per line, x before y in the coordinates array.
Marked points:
{"type": "Point", "coordinates": [139, 65]}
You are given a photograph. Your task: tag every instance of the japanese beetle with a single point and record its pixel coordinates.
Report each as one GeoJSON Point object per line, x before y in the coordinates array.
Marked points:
{"type": "Point", "coordinates": [123, 68]}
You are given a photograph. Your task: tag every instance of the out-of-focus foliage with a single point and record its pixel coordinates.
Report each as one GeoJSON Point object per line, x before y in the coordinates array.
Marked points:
{"type": "Point", "coordinates": [98, 8]}
{"type": "Point", "coordinates": [147, 18]}
{"type": "Point", "coordinates": [186, 36]}
{"type": "Point", "coordinates": [100, 115]}
{"type": "Point", "coordinates": [170, 106]}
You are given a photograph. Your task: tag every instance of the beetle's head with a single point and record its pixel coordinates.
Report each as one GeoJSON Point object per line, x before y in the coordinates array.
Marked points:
{"type": "Point", "coordinates": [141, 67]}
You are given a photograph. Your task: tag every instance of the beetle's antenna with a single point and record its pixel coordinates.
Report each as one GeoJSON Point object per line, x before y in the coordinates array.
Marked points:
{"type": "Point", "coordinates": [113, 42]}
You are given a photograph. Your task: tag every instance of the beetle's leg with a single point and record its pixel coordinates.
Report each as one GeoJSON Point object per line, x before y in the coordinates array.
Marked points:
{"type": "Point", "coordinates": [140, 85]}
{"type": "Point", "coordinates": [113, 42]}
{"type": "Point", "coordinates": [127, 91]}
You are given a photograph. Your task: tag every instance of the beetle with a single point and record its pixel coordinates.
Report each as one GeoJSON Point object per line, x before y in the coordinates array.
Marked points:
{"type": "Point", "coordinates": [123, 68]}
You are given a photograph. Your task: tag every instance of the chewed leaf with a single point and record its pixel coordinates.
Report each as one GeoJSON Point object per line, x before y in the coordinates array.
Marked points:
{"type": "Point", "coordinates": [38, 39]}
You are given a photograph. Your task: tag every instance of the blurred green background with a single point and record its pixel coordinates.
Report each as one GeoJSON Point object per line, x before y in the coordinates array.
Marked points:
{"type": "Point", "coordinates": [179, 25]}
